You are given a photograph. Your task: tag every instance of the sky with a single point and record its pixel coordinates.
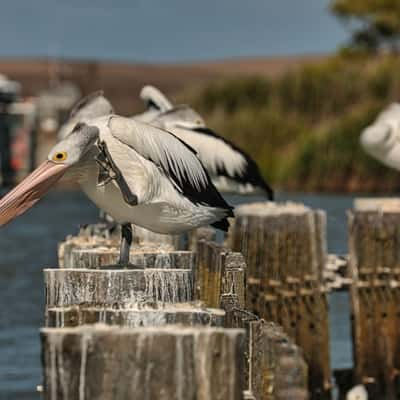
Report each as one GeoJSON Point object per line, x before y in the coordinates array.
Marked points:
{"type": "Point", "coordinates": [167, 30]}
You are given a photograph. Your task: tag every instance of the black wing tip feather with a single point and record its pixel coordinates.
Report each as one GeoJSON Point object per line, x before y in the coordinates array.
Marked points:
{"type": "Point", "coordinates": [270, 193]}
{"type": "Point", "coordinates": [222, 224]}
{"type": "Point", "coordinates": [252, 173]}
{"type": "Point", "coordinates": [263, 185]}
{"type": "Point", "coordinates": [207, 195]}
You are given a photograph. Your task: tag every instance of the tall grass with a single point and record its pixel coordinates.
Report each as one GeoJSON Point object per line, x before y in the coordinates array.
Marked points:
{"type": "Point", "coordinates": [303, 128]}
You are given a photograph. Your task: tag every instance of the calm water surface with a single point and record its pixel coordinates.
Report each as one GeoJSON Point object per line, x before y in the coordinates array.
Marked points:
{"type": "Point", "coordinates": [30, 243]}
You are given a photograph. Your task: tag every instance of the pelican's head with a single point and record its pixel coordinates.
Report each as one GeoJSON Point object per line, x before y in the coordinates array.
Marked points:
{"type": "Point", "coordinates": [382, 141]}
{"type": "Point", "coordinates": [92, 106]}
{"type": "Point", "coordinates": [182, 116]}
{"type": "Point", "coordinates": [64, 155]}
{"type": "Point", "coordinates": [74, 146]}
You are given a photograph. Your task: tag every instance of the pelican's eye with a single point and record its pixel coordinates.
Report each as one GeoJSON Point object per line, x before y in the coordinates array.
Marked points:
{"type": "Point", "coordinates": [60, 156]}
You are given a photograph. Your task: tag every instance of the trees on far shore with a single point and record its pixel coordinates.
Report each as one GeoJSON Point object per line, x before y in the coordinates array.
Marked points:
{"type": "Point", "coordinates": [375, 24]}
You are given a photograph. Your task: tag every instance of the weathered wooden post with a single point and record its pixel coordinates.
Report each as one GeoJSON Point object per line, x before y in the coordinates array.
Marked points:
{"type": "Point", "coordinates": [220, 275]}
{"type": "Point", "coordinates": [188, 314]}
{"type": "Point", "coordinates": [97, 236]}
{"type": "Point", "coordinates": [118, 288]}
{"type": "Point", "coordinates": [374, 260]}
{"type": "Point", "coordinates": [277, 368]}
{"type": "Point", "coordinates": [160, 288]}
{"type": "Point", "coordinates": [95, 258]}
{"type": "Point", "coordinates": [98, 362]}
{"type": "Point", "coordinates": [284, 246]}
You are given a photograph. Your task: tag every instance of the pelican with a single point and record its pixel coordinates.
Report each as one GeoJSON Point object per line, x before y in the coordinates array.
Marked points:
{"type": "Point", "coordinates": [155, 101]}
{"type": "Point", "coordinates": [137, 173]}
{"type": "Point", "coordinates": [231, 169]}
{"type": "Point", "coordinates": [92, 106]}
{"type": "Point", "coordinates": [381, 139]}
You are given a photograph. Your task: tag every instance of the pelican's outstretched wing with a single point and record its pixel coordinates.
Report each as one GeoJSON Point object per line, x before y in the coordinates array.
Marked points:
{"type": "Point", "coordinates": [92, 106]}
{"type": "Point", "coordinates": [175, 158]}
{"type": "Point", "coordinates": [154, 98]}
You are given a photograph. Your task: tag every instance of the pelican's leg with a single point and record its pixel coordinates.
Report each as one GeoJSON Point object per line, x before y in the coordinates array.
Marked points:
{"type": "Point", "coordinates": [126, 241]}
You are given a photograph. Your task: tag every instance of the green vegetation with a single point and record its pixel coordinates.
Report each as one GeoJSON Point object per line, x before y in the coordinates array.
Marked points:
{"type": "Point", "coordinates": [303, 128]}
{"type": "Point", "coordinates": [375, 23]}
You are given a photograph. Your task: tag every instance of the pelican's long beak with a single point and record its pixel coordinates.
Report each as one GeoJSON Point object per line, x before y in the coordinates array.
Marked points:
{"type": "Point", "coordinates": [30, 190]}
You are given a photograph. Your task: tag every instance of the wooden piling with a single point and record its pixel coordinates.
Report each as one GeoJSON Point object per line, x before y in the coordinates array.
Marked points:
{"type": "Point", "coordinates": [119, 288]}
{"type": "Point", "coordinates": [97, 237]}
{"type": "Point", "coordinates": [284, 246]}
{"type": "Point", "coordinates": [207, 289]}
{"type": "Point", "coordinates": [188, 314]}
{"type": "Point", "coordinates": [374, 262]}
{"type": "Point", "coordinates": [277, 368]}
{"type": "Point", "coordinates": [219, 271]}
{"type": "Point", "coordinates": [165, 363]}
{"type": "Point", "coordinates": [93, 258]}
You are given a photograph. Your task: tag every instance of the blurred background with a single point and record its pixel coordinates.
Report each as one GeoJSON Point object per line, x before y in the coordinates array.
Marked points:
{"type": "Point", "coordinates": [291, 82]}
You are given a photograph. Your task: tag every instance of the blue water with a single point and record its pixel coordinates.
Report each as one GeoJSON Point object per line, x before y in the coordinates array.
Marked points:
{"type": "Point", "coordinates": [26, 246]}
{"type": "Point", "coordinates": [29, 243]}
{"type": "Point", "coordinates": [173, 30]}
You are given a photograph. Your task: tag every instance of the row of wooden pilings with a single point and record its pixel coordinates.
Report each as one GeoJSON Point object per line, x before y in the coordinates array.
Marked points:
{"type": "Point", "coordinates": [247, 319]}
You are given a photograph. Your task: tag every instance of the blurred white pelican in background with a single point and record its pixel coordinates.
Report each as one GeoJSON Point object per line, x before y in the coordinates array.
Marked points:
{"type": "Point", "coordinates": [382, 138]}
{"type": "Point", "coordinates": [155, 101]}
{"type": "Point", "coordinates": [231, 169]}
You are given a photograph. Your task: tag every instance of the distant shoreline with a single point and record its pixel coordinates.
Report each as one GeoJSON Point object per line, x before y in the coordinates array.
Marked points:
{"type": "Point", "coordinates": [122, 81]}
